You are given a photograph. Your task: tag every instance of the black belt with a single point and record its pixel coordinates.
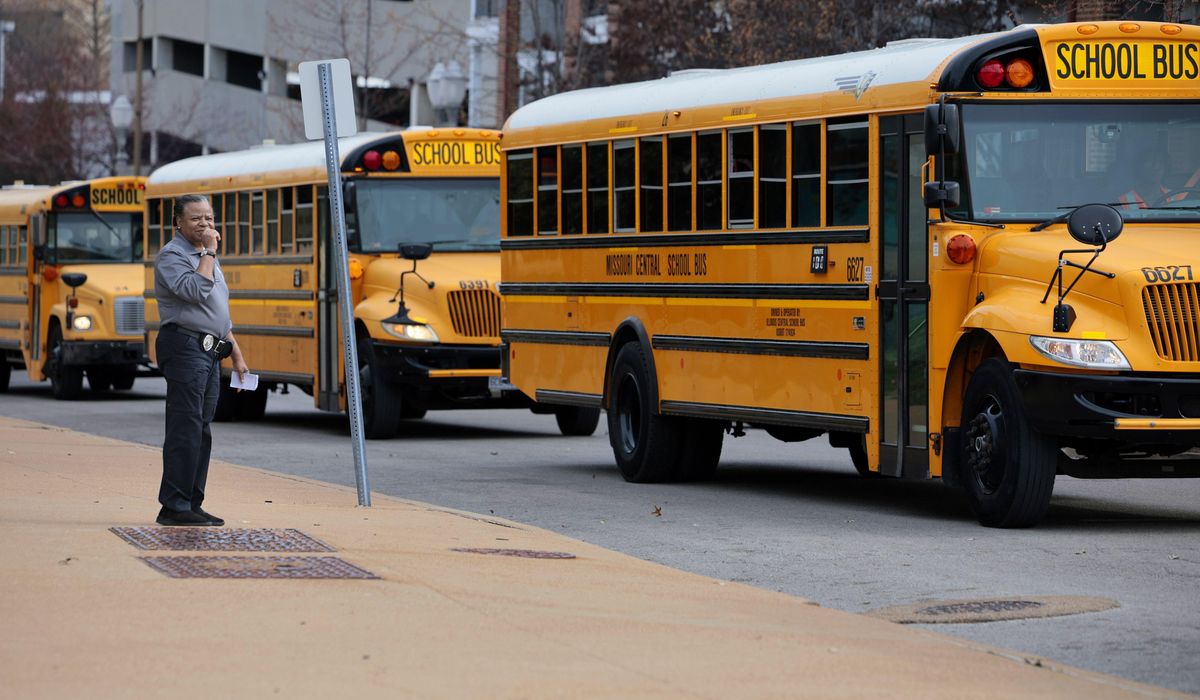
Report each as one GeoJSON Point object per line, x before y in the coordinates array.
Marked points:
{"type": "Point", "coordinates": [209, 342]}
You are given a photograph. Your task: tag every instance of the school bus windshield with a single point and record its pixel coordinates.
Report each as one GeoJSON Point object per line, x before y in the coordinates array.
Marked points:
{"type": "Point", "coordinates": [455, 215]}
{"type": "Point", "coordinates": [1031, 162]}
{"type": "Point", "coordinates": [93, 237]}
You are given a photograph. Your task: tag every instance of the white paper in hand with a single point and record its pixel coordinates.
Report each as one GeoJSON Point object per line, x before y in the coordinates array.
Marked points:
{"type": "Point", "coordinates": [250, 383]}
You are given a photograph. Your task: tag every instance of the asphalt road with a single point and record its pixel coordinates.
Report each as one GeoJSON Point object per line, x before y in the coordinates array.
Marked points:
{"type": "Point", "coordinates": [786, 517]}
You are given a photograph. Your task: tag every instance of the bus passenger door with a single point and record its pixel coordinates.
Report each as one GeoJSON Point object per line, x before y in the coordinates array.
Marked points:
{"type": "Point", "coordinates": [329, 353]}
{"type": "Point", "coordinates": [903, 293]}
{"type": "Point", "coordinates": [34, 280]}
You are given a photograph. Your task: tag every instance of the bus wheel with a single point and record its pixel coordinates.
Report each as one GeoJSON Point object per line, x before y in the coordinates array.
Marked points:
{"type": "Point", "coordinates": [411, 407]}
{"type": "Point", "coordinates": [66, 383]}
{"type": "Point", "coordinates": [5, 375]}
{"type": "Point", "coordinates": [100, 380]}
{"type": "Point", "coordinates": [577, 420]}
{"type": "Point", "coordinates": [645, 443]}
{"type": "Point", "coordinates": [123, 377]}
{"type": "Point", "coordinates": [700, 449]}
{"type": "Point", "coordinates": [1008, 468]}
{"type": "Point", "coordinates": [380, 400]}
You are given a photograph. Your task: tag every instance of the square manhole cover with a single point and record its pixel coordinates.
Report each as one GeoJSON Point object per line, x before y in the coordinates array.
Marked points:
{"type": "Point", "coordinates": [214, 539]}
{"type": "Point", "coordinates": [257, 567]}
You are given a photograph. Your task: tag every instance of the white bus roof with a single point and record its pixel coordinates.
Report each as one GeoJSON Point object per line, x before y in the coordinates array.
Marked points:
{"type": "Point", "coordinates": [261, 160]}
{"type": "Point", "coordinates": [900, 62]}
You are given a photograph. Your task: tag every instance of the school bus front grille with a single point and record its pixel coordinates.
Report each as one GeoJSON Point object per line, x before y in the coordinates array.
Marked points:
{"type": "Point", "coordinates": [475, 313]}
{"type": "Point", "coordinates": [1172, 311]}
{"type": "Point", "coordinates": [129, 313]}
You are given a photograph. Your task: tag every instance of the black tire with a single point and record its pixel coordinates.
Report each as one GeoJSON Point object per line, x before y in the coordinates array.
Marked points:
{"type": "Point", "coordinates": [100, 379]}
{"type": "Point", "coordinates": [227, 403]}
{"type": "Point", "coordinates": [410, 407]}
{"type": "Point", "coordinates": [380, 400]}
{"type": "Point", "coordinates": [577, 420]}
{"type": "Point", "coordinates": [700, 451]}
{"type": "Point", "coordinates": [1007, 467]}
{"type": "Point", "coordinates": [250, 405]}
{"type": "Point", "coordinates": [5, 375]}
{"type": "Point", "coordinates": [66, 383]}
{"type": "Point", "coordinates": [858, 455]}
{"type": "Point", "coordinates": [123, 378]}
{"type": "Point", "coordinates": [646, 443]}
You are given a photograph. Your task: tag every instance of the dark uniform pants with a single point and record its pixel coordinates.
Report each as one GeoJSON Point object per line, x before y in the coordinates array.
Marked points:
{"type": "Point", "coordinates": [193, 384]}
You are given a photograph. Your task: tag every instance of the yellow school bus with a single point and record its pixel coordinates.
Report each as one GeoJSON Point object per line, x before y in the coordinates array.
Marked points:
{"type": "Point", "coordinates": [71, 284]}
{"type": "Point", "coordinates": [427, 329]}
{"type": "Point", "coordinates": [887, 247]}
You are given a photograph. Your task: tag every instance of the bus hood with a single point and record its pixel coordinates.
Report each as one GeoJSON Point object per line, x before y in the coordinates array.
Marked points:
{"type": "Point", "coordinates": [1142, 254]}
{"type": "Point", "coordinates": [462, 306]}
{"type": "Point", "coordinates": [105, 282]}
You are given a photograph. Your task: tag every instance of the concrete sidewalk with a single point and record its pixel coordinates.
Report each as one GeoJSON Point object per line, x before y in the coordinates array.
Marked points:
{"type": "Point", "coordinates": [82, 615]}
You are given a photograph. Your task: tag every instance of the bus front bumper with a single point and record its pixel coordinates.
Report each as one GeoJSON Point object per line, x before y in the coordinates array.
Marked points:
{"type": "Point", "coordinates": [81, 353]}
{"type": "Point", "coordinates": [1117, 426]}
{"type": "Point", "coordinates": [449, 374]}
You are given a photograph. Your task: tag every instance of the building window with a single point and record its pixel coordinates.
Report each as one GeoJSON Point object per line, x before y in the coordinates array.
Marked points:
{"type": "Point", "coordinates": [806, 175]}
{"type": "Point", "coordinates": [130, 53]}
{"type": "Point", "coordinates": [187, 57]}
{"type": "Point", "coordinates": [848, 172]}
{"type": "Point", "coordinates": [244, 69]}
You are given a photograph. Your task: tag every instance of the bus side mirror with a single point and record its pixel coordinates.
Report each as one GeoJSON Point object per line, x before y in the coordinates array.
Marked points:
{"type": "Point", "coordinates": [941, 129]}
{"type": "Point", "coordinates": [74, 279]}
{"type": "Point", "coordinates": [415, 251]}
{"type": "Point", "coordinates": [943, 195]}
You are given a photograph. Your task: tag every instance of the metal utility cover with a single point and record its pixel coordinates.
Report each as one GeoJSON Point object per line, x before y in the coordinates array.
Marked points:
{"type": "Point", "coordinates": [214, 539]}
{"type": "Point", "coordinates": [526, 553]}
{"type": "Point", "coordinates": [992, 609]}
{"type": "Point", "coordinates": [257, 567]}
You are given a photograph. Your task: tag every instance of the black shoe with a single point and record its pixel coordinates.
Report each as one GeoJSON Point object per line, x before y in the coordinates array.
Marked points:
{"type": "Point", "coordinates": [166, 516]}
{"type": "Point", "coordinates": [212, 519]}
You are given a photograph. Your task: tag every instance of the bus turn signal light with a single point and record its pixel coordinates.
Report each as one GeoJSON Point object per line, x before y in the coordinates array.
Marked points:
{"type": "Point", "coordinates": [391, 160]}
{"type": "Point", "coordinates": [961, 249]}
{"type": "Point", "coordinates": [1019, 73]}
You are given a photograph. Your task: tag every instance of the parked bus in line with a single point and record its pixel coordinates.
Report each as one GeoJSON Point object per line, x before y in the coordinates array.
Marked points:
{"type": "Point", "coordinates": [940, 253]}
{"type": "Point", "coordinates": [71, 284]}
{"type": "Point", "coordinates": [422, 213]}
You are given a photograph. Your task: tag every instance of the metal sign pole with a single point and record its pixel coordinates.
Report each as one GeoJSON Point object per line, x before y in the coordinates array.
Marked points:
{"type": "Point", "coordinates": [353, 395]}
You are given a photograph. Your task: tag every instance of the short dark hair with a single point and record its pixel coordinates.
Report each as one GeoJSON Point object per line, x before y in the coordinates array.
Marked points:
{"type": "Point", "coordinates": [181, 202]}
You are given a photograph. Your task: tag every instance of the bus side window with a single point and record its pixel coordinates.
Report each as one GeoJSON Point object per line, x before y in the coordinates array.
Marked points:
{"type": "Point", "coordinates": [708, 180]}
{"type": "Point", "coordinates": [772, 176]}
{"type": "Point", "coordinates": [272, 222]}
{"type": "Point", "coordinates": [806, 175]}
{"type": "Point", "coordinates": [847, 167]}
{"type": "Point", "coordinates": [741, 178]}
{"type": "Point", "coordinates": [287, 223]}
{"type": "Point", "coordinates": [243, 223]}
{"type": "Point", "coordinates": [624, 185]}
{"type": "Point", "coordinates": [4, 254]}
{"type": "Point", "coordinates": [520, 193]}
{"type": "Point", "coordinates": [304, 219]}
{"type": "Point", "coordinates": [597, 187]}
{"type": "Point", "coordinates": [547, 190]}
{"type": "Point", "coordinates": [679, 182]}
{"type": "Point", "coordinates": [572, 189]}
{"type": "Point", "coordinates": [650, 174]}
{"type": "Point", "coordinates": [153, 226]}
{"type": "Point", "coordinates": [323, 212]}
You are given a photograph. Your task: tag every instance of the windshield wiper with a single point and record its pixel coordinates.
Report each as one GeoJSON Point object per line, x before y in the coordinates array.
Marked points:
{"type": "Point", "coordinates": [1197, 208]}
{"type": "Point", "coordinates": [1070, 209]}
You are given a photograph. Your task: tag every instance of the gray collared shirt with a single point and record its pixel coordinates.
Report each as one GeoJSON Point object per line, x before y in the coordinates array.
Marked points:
{"type": "Point", "coordinates": [187, 298]}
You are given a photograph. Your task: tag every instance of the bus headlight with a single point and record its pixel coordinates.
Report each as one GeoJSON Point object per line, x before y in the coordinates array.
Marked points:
{"type": "Point", "coordinates": [411, 331]}
{"type": "Point", "coordinates": [82, 323]}
{"type": "Point", "coordinates": [1093, 354]}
